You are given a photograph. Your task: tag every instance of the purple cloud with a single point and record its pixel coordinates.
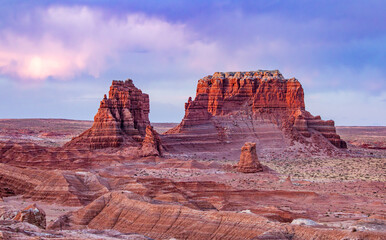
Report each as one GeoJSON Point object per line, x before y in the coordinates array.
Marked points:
{"type": "Point", "coordinates": [76, 40]}
{"type": "Point", "coordinates": [335, 48]}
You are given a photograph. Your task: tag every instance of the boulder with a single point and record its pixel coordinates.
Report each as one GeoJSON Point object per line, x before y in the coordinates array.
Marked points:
{"type": "Point", "coordinates": [303, 221]}
{"type": "Point", "coordinates": [33, 215]}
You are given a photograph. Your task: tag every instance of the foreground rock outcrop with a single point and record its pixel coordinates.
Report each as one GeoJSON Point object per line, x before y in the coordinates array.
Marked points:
{"type": "Point", "coordinates": [121, 119]}
{"type": "Point", "coordinates": [259, 106]}
{"type": "Point", "coordinates": [60, 187]}
{"type": "Point", "coordinates": [33, 215]}
{"type": "Point", "coordinates": [129, 213]}
{"type": "Point", "coordinates": [249, 162]}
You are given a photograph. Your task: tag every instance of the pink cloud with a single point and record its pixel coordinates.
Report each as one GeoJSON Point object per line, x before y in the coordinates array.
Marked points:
{"type": "Point", "coordinates": [73, 40]}
{"type": "Point", "coordinates": [38, 59]}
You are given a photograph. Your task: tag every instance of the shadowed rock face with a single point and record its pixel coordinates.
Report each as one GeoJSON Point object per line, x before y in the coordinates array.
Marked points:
{"type": "Point", "coordinates": [121, 119]}
{"type": "Point", "coordinates": [234, 107]}
{"type": "Point", "coordinates": [248, 159]}
{"type": "Point", "coordinates": [151, 145]}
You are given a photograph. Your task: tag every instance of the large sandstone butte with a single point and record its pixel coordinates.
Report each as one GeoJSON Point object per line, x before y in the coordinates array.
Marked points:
{"type": "Point", "coordinates": [258, 106]}
{"type": "Point", "coordinates": [121, 119]}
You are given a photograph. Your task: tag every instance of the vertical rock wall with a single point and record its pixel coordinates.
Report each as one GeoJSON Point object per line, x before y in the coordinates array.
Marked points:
{"type": "Point", "coordinates": [234, 107]}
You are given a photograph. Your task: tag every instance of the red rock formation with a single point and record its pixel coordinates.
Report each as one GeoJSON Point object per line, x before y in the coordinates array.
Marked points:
{"type": "Point", "coordinates": [33, 215]}
{"type": "Point", "coordinates": [60, 187]}
{"type": "Point", "coordinates": [121, 119]}
{"type": "Point", "coordinates": [33, 155]}
{"type": "Point", "coordinates": [249, 162]}
{"type": "Point", "coordinates": [162, 221]}
{"type": "Point", "coordinates": [128, 213]}
{"type": "Point", "coordinates": [151, 145]}
{"type": "Point", "coordinates": [259, 106]}
{"type": "Point", "coordinates": [225, 93]}
{"type": "Point", "coordinates": [305, 123]}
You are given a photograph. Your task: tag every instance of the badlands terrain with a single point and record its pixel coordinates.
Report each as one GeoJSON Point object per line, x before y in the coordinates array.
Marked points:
{"type": "Point", "coordinates": [246, 162]}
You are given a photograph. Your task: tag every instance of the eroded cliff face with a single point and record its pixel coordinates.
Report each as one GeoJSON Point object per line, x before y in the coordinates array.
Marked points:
{"type": "Point", "coordinates": [259, 105]}
{"type": "Point", "coordinates": [226, 93]}
{"type": "Point", "coordinates": [121, 119]}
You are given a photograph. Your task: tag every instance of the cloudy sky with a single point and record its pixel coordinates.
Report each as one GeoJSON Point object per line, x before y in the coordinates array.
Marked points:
{"type": "Point", "coordinates": [57, 59]}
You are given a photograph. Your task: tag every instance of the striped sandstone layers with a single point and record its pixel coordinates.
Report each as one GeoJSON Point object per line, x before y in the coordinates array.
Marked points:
{"type": "Point", "coordinates": [259, 106]}
{"type": "Point", "coordinates": [121, 119]}
{"type": "Point", "coordinates": [53, 186]}
{"type": "Point", "coordinates": [129, 213]}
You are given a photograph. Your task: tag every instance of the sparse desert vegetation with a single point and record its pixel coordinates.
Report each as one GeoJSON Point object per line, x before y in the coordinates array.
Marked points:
{"type": "Point", "coordinates": [332, 169]}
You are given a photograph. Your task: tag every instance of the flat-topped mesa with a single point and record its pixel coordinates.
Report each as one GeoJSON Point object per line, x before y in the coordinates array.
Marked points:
{"type": "Point", "coordinates": [224, 93]}
{"type": "Point", "coordinates": [121, 118]}
{"type": "Point", "coordinates": [251, 87]}
{"type": "Point", "coordinates": [232, 106]}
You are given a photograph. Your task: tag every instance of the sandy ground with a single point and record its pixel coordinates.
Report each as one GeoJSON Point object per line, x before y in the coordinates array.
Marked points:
{"type": "Point", "coordinates": [45, 132]}
{"type": "Point", "coordinates": [367, 137]}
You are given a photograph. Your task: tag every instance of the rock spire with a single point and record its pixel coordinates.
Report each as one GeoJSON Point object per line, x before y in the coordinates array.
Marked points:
{"type": "Point", "coordinates": [121, 119]}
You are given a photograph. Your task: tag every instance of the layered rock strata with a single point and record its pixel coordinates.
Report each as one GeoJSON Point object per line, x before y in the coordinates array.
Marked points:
{"type": "Point", "coordinates": [121, 119]}
{"type": "Point", "coordinates": [235, 107]}
{"type": "Point", "coordinates": [130, 213]}
{"type": "Point", "coordinates": [305, 123]}
{"type": "Point", "coordinates": [53, 186]}
{"type": "Point", "coordinates": [249, 162]}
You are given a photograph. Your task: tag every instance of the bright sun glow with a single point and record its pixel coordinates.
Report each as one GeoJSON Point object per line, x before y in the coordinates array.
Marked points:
{"type": "Point", "coordinates": [35, 67]}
